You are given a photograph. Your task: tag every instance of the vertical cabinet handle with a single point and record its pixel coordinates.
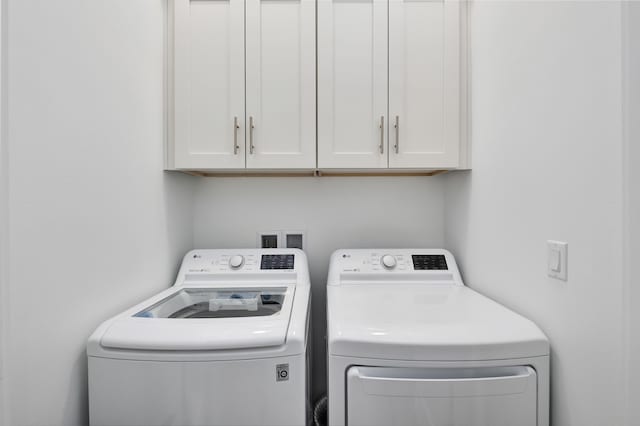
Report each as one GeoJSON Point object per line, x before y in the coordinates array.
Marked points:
{"type": "Point", "coordinates": [236, 126]}
{"type": "Point", "coordinates": [382, 134]}
{"type": "Point", "coordinates": [397, 127]}
{"type": "Point", "coordinates": [251, 127]}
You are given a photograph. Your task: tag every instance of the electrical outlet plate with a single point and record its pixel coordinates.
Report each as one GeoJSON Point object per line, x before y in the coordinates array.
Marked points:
{"type": "Point", "coordinates": [295, 239]}
{"type": "Point", "coordinates": [269, 239]}
{"type": "Point", "coordinates": [282, 239]}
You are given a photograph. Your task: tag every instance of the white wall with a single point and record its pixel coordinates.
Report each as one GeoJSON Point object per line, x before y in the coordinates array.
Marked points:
{"type": "Point", "coordinates": [336, 213]}
{"type": "Point", "coordinates": [4, 217]}
{"type": "Point", "coordinates": [632, 206]}
{"type": "Point", "coordinates": [546, 110]}
{"type": "Point", "coordinates": [95, 223]}
{"type": "Point", "coordinates": [92, 215]}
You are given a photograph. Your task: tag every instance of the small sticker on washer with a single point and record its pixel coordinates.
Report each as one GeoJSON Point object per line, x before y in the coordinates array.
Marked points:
{"type": "Point", "coordinates": [282, 372]}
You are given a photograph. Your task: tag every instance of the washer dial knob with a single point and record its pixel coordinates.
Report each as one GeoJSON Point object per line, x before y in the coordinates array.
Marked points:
{"type": "Point", "coordinates": [388, 261]}
{"type": "Point", "coordinates": [236, 261]}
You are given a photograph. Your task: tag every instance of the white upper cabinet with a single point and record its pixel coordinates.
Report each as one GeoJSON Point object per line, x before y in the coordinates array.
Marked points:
{"type": "Point", "coordinates": [362, 85]}
{"type": "Point", "coordinates": [424, 83]}
{"type": "Point", "coordinates": [281, 84]}
{"type": "Point", "coordinates": [352, 84]}
{"type": "Point", "coordinates": [418, 125]}
{"type": "Point", "coordinates": [208, 84]}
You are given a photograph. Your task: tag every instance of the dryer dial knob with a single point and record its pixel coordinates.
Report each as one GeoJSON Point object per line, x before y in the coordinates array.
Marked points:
{"type": "Point", "coordinates": [388, 261]}
{"type": "Point", "coordinates": [236, 261]}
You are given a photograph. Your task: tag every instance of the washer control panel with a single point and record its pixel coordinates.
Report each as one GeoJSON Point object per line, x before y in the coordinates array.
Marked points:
{"type": "Point", "coordinates": [247, 267]}
{"type": "Point", "coordinates": [277, 261]}
{"type": "Point", "coordinates": [208, 261]}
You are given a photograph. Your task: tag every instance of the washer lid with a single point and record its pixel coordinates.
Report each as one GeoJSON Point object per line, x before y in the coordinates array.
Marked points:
{"type": "Point", "coordinates": [206, 319]}
{"type": "Point", "coordinates": [426, 323]}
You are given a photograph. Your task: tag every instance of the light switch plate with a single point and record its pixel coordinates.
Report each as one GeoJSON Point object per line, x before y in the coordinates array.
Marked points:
{"type": "Point", "coordinates": [557, 261]}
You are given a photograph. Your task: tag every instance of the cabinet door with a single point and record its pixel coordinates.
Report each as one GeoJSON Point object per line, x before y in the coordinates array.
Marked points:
{"type": "Point", "coordinates": [209, 84]}
{"type": "Point", "coordinates": [352, 83]}
{"type": "Point", "coordinates": [424, 83]}
{"type": "Point", "coordinates": [281, 84]}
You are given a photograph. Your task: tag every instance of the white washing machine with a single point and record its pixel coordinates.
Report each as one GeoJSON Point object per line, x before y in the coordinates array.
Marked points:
{"type": "Point", "coordinates": [225, 345]}
{"type": "Point", "coordinates": [410, 344]}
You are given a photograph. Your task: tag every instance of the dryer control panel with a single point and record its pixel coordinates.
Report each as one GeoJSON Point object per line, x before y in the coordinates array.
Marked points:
{"type": "Point", "coordinates": [401, 264]}
{"type": "Point", "coordinates": [429, 262]}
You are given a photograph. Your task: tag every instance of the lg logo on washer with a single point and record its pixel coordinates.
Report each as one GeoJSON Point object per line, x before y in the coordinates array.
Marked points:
{"type": "Point", "coordinates": [282, 372]}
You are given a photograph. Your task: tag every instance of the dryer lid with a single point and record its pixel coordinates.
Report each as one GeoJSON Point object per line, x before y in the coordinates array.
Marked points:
{"type": "Point", "coordinates": [206, 319]}
{"type": "Point", "coordinates": [426, 323]}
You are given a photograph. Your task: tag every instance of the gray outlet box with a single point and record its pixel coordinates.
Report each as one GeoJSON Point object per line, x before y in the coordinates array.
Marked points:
{"type": "Point", "coordinates": [269, 241]}
{"type": "Point", "coordinates": [294, 241]}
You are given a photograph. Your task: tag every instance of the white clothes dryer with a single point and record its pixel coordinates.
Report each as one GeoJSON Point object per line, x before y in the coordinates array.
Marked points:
{"type": "Point", "coordinates": [227, 344]}
{"type": "Point", "coordinates": [410, 344]}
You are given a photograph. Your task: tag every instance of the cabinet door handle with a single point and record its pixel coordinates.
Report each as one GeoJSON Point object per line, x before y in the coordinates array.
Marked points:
{"type": "Point", "coordinates": [236, 126]}
{"type": "Point", "coordinates": [397, 127]}
{"type": "Point", "coordinates": [251, 127]}
{"type": "Point", "coordinates": [382, 134]}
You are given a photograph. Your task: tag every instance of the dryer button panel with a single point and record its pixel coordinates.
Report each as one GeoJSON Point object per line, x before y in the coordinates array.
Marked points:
{"type": "Point", "coordinates": [429, 262]}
